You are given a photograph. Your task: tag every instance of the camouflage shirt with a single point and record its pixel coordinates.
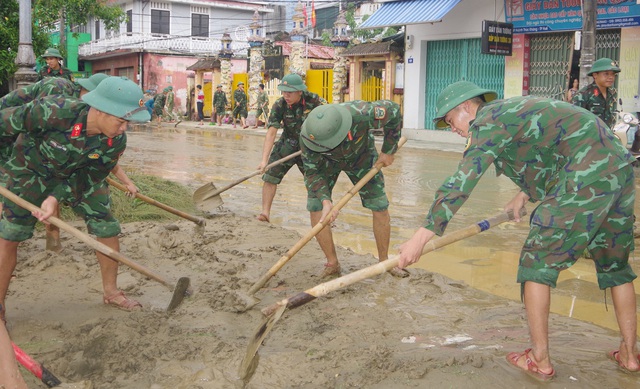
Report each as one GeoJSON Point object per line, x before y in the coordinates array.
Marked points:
{"type": "Point", "coordinates": [352, 152]}
{"type": "Point", "coordinates": [63, 72]}
{"type": "Point", "coordinates": [55, 145]}
{"type": "Point", "coordinates": [263, 99]}
{"type": "Point", "coordinates": [546, 147]}
{"type": "Point", "coordinates": [220, 100]}
{"type": "Point", "coordinates": [47, 86]}
{"type": "Point", "coordinates": [239, 97]}
{"type": "Point", "coordinates": [290, 118]}
{"type": "Point", "coordinates": [591, 99]}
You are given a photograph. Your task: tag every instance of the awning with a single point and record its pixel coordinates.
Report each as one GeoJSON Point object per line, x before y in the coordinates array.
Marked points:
{"type": "Point", "coordinates": [400, 13]}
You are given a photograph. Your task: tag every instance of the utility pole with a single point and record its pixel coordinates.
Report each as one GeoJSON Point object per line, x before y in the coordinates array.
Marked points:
{"type": "Point", "coordinates": [25, 59]}
{"type": "Point", "coordinates": [588, 49]}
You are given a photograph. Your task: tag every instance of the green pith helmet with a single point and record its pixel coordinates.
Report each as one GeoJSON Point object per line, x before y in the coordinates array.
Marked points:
{"type": "Point", "coordinates": [603, 65]}
{"type": "Point", "coordinates": [456, 94]}
{"type": "Point", "coordinates": [292, 83]}
{"type": "Point", "coordinates": [119, 97]}
{"type": "Point", "coordinates": [51, 52]}
{"type": "Point", "coordinates": [326, 127]}
{"type": "Point", "coordinates": [241, 83]}
{"type": "Point", "coordinates": [92, 82]}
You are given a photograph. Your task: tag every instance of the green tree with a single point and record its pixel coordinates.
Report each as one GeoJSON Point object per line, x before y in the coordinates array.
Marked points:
{"type": "Point", "coordinates": [365, 34]}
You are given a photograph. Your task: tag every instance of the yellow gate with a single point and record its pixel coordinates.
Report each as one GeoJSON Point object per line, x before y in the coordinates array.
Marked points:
{"type": "Point", "coordinates": [321, 82]}
{"type": "Point", "coordinates": [208, 99]}
{"type": "Point", "coordinates": [372, 89]}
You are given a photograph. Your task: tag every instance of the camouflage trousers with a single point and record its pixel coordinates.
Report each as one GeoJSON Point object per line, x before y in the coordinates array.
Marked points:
{"type": "Point", "coordinates": [240, 111]}
{"type": "Point", "coordinates": [17, 223]}
{"type": "Point", "coordinates": [283, 147]}
{"type": "Point", "coordinates": [598, 217]}
{"type": "Point", "coordinates": [372, 194]}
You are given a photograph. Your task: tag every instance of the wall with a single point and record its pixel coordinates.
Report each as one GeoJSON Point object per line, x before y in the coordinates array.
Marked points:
{"type": "Point", "coordinates": [629, 82]}
{"type": "Point", "coordinates": [464, 21]}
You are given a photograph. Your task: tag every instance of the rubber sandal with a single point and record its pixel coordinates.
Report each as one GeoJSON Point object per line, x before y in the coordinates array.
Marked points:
{"type": "Point", "coordinates": [615, 356]}
{"type": "Point", "coordinates": [400, 273]}
{"type": "Point", "coordinates": [532, 368]}
{"type": "Point", "coordinates": [330, 271]}
{"type": "Point", "coordinates": [263, 218]}
{"type": "Point", "coordinates": [126, 303]}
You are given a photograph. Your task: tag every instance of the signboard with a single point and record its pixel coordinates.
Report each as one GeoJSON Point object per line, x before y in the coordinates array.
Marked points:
{"type": "Point", "coordinates": [497, 38]}
{"type": "Point", "coordinates": [531, 16]}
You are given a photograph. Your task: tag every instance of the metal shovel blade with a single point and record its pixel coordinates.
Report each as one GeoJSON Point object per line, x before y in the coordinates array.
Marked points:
{"type": "Point", "coordinates": [206, 198]}
{"type": "Point", "coordinates": [179, 293]}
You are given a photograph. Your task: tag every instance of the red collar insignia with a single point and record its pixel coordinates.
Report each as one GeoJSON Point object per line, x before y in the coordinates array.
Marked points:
{"type": "Point", "coordinates": [596, 92]}
{"type": "Point", "coordinates": [110, 142]}
{"type": "Point", "coordinates": [77, 129]}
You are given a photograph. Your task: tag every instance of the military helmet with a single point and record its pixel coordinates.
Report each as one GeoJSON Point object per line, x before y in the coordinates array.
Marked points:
{"type": "Point", "coordinates": [603, 65]}
{"type": "Point", "coordinates": [292, 83]}
{"type": "Point", "coordinates": [326, 127]}
{"type": "Point", "coordinates": [456, 94]}
{"type": "Point", "coordinates": [120, 97]}
{"type": "Point", "coordinates": [92, 82]}
{"type": "Point", "coordinates": [240, 83]}
{"type": "Point", "coordinates": [219, 86]}
{"type": "Point", "coordinates": [51, 52]}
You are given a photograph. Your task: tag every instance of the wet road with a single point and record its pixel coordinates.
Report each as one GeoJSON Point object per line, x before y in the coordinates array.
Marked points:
{"type": "Point", "coordinates": [194, 155]}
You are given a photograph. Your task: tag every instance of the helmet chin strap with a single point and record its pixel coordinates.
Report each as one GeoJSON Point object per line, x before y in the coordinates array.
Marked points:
{"type": "Point", "coordinates": [135, 111]}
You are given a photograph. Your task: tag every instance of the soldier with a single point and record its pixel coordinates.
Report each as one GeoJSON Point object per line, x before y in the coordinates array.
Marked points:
{"type": "Point", "coordinates": [569, 161]}
{"type": "Point", "coordinates": [240, 97]}
{"type": "Point", "coordinates": [219, 104]}
{"type": "Point", "coordinates": [67, 148]}
{"type": "Point", "coordinates": [47, 87]}
{"type": "Point", "coordinates": [599, 97]}
{"type": "Point", "coordinates": [158, 105]}
{"type": "Point", "coordinates": [53, 68]}
{"type": "Point", "coordinates": [288, 113]}
{"type": "Point", "coordinates": [263, 106]}
{"type": "Point", "coordinates": [169, 104]}
{"type": "Point", "coordinates": [336, 138]}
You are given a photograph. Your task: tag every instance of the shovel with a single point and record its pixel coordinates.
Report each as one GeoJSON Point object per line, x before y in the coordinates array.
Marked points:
{"type": "Point", "coordinates": [275, 311]}
{"type": "Point", "coordinates": [207, 197]}
{"type": "Point", "coordinates": [199, 221]}
{"type": "Point", "coordinates": [35, 367]}
{"type": "Point", "coordinates": [318, 227]}
{"type": "Point", "coordinates": [179, 290]}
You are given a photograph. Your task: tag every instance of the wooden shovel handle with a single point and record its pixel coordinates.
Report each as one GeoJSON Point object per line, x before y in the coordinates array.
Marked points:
{"type": "Point", "coordinates": [149, 200]}
{"type": "Point", "coordinates": [318, 227]}
{"type": "Point", "coordinates": [384, 266]}
{"type": "Point", "coordinates": [101, 247]}
{"type": "Point", "coordinates": [269, 166]}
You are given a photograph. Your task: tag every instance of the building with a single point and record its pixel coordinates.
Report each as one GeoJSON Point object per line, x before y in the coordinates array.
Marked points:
{"type": "Point", "coordinates": [443, 45]}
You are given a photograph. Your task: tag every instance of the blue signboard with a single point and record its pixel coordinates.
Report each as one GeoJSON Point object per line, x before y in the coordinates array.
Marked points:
{"type": "Point", "coordinates": [531, 16]}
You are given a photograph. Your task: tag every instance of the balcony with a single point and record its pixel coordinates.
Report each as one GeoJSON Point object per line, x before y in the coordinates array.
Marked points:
{"type": "Point", "coordinates": [169, 44]}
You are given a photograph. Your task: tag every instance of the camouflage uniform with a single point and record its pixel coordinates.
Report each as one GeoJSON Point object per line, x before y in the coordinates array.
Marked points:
{"type": "Point", "coordinates": [355, 155]}
{"type": "Point", "coordinates": [568, 160]}
{"type": "Point", "coordinates": [240, 110]}
{"type": "Point", "coordinates": [591, 99]}
{"type": "Point", "coordinates": [63, 72]}
{"type": "Point", "coordinates": [55, 157]}
{"type": "Point", "coordinates": [263, 105]}
{"type": "Point", "coordinates": [46, 87]}
{"type": "Point", "coordinates": [219, 102]}
{"type": "Point", "coordinates": [290, 119]}
{"type": "Point", "coordinates": [158, 104]}
{"type": "Point", "coordinates": [168, 106]}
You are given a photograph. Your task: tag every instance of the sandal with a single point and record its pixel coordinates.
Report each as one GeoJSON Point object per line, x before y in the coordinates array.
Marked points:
{"type": "Point", "coordinates": [532, 368]}
{"type": "Point", "coordinates": [263, 218]}
{"type": "Point", "coordinates": [615, 356]}
{"type": "Point", "coordinates": [330, 270]}
{"type": "Point", "coordinates": [400, 273]}
{"type": "Point", "coordinates": [119, 300]}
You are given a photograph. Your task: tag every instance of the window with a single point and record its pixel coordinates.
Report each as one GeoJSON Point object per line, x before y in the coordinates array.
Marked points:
{"type": "Point", "coordinates": [126, 72]}
{"type": "Point", "coordinates": [200, 25]}
{"type": "Point", "coordinates": [97, 29]}
{"type": "Point", "coordinates": [160, 22]}
{"type": "Point", "coordinates": [130, 21]}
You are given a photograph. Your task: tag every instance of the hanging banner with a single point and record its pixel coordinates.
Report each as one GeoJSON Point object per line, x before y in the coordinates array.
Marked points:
{"type": "Point", "coordinates": [530, 16]}
{"type": "Point", "coordinates": [497, 38]}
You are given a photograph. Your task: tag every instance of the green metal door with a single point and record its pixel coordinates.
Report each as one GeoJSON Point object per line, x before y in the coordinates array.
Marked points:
{"type": "Point", "coordinates": [455, 60]}
{"type": "Point", "coordinates": [550, 64]}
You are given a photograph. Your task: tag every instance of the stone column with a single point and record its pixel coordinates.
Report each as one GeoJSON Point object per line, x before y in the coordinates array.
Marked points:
{"type": "Point", "coordinates": [225, 56]}
{"type": "Point", "coordinates": [25, 59]}
{"type": "Point", "coordinates": [340, 41]}
{"type": "Point", "coordinates": [256, 61]}
{"type": "Point", "coordinates": [298, 37]}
